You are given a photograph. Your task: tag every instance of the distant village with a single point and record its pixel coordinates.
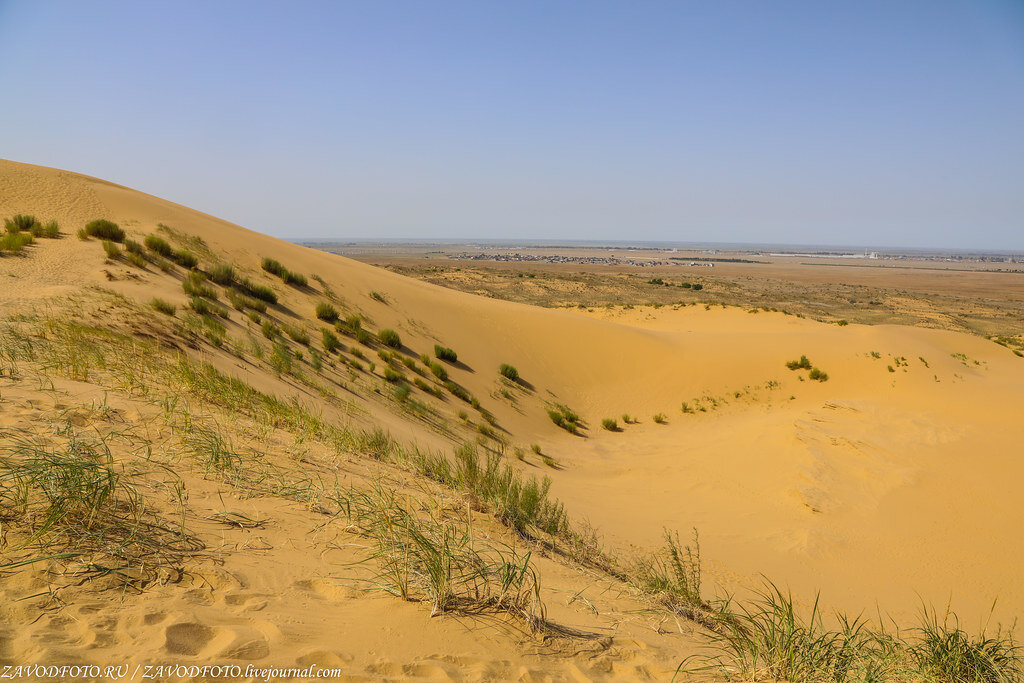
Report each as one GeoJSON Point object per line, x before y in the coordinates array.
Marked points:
{"type": "Point", "coordinates": [582, 260]}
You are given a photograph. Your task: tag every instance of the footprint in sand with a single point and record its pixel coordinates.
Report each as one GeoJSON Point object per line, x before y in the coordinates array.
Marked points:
{"type": "Point", "coordinates": [193, 638]}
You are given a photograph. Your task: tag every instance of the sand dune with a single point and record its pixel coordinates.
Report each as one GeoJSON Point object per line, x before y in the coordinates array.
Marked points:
{"type": "Point", "coordinates": [875, 486]}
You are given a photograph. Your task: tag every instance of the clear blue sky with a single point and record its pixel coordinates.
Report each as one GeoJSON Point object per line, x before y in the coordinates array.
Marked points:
{"type": "Point", "coordinates": [885, 123]}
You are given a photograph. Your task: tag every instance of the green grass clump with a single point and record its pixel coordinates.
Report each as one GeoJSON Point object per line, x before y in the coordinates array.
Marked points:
{"type": "Point", "coordinates": [158, 245]}
{"type": "Point", "coordinates": [273, 266]}
{"type": "Point", "coordinates": [392, 375]}
{"type": "Point", "coordinates": [945, 652]}
{"type": "Point", "coordinates": [377, 296]}
{"type": "Point", "coordinates": [133, 247]}
{"type": "Point", "coordinates": [20, 223]}
{"type": "Point", "coordinates": [296, 279]}
{"type": "Point", "coordinates": [330, 341]}
{"type": "Point", "coordinates": [660, 418]}
{"type": "Point", "coordinates": [673, 574]}
{"type": "Point", "coordinates": [111, 249]}
{"type": "Point", "coordinates": [195, 285]}
{"type": "Point", "coordinates": [163, 306]}
{"type": "Point", "coordinates": [457, 391]}
{"type": "Point", "coordinates": [297, 334]}
{"type": "Point", "coordinates": [185, 259]}
{"type": "Point", "coordinates": [104, 230]}
{"type": "Point", "coordinates": [509, 372]}
{"type": "Point", "coordinates": [241, 302]}
{"type": "Point", "coordinates": [802, 364]}
{"type": "Point", "coordinates": [326, 312]}
{"type": "Point", "coordinates": [420, 555]}
{"type": "Point", "coordinates": [565, 418]}
{"type": "Point", "coordinates": [222, 274]}
{"type": "Point", "coordinates": [74, 503]}
{"type": "Point", "coordinates": [446, 354]}
{"type": "Point", "coordinates": [818, 374]}
{"type": "Point", "coordinates": [270, 330]}
{"type": "Point", "coordinates": [610, 424]}
{"type": "Point", "coordinates": [389, 337]}
{"type": "Point", "coordinates": [439, 371]}
{"type": "Point", "coordinates": [15, 242]}
{"type": "Point", "coordinates": [50, 230]}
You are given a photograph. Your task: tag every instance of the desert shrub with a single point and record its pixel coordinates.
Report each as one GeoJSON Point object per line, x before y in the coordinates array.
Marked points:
{"type": "Point", "coordinates": [222, 274]}
{"type": "Point", "coordinates": [50, 230]}
{"type": "Point", "coordinates": [392, 375]}
{"type": "Point", "coordinates": [698, 287]}
{"type": "Point", "coordinates": [818, 374]}
{"type": "Point", "coordinates": [297, 279]}
{"type": "Point", "coordinates": [673, 574]}
{"type": "Point", "coordinates": [509, 372]}
{"type": "Point", "coordinates": [185, 259]}
{"type": "Point", "coordinates": [444, 353]}
{"type": "Point", "coordinates": [427, 388]}
{"type": "Point", "coordinates": [326, 312]}
{"type": "Point", "coordinates": [377, 296]}
{"type": "Point", "coordinates": [254, 317]}
{"type": "Point", "coordinates": [200, 305]}
{"type": "Point", "coordinates": [241, 302]}
{"type": "Point", "coordinates": [402, 392]}
{"type": "Point", "coordinates": [258, 291]}
{"type": "Point", "coordinates": [20, 223]}
{"type": "Point", "coordinates": [165, 307]}
{"type": "Point", "coordinates": [158, 245]}
{"type": "Point", "coordinates": [281, 358]}
{"type": "Point", "coordinates": [659, 418]}
{"type": "Point", "coordinates": [270, 330]}
{"type": "Point", "coordinates": [111, 249]}
{"type": "Point", "coordinates": [842, 323]}
{"type": "Point", "coordinates": [297, 334]}
{"type": "Point", "coordinates": [457, 391]}
{"type": "Point", "coordinates": [802, 364]}
{"type": "Point", "coordinates": [535, 447]}
{"type": "Point", "coordinates": [104, 230]}
{"type": "Point", "coordinates": [330, 340]}
{"type": "Point", "coordinates": [82, 234]}
{"type": "Point", "coordinates": [195, 285]}
{"type": "Point", "coordinates": [357, 353]}
{"type": "Point", "coordinates": [273, 267]}
{"type": "Point", "coordinates": [14, 242]}
{"type": "Point", "coordinates": [610, 424]}
{"type": "Point", "coordinates": [136, 260]}
{"type": "Point", "coordinates": [438, 371]}
{"type": "Point", "coordinates": [389, 337]}
{"type": "Point", "coordinates": [133, 247]}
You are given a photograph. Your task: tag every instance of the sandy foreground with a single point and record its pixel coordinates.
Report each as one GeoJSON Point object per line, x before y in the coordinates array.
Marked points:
{"type": "Point", "coordinates": [895, 483]}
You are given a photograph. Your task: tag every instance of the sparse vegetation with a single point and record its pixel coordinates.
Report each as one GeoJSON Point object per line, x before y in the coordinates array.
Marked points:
{"type": "Point", "coordinates": [330, 340]}
{"type": "Point", "coordinates": [104, 230]}
{"type": "Point", "coordinates": [158, 245]}
{"type": "Point", "coordinates": [389, 337]}
{"type": "Point", "coordinates": [660, 418]}
{"type": "Point", "coordinates": [610, 424]}
{"type": "Point", "coordinates": [164, 307]}
{"type": "Point", "coordinates": [802, 364]}
{"type": "Point", "coordinates": [222, 274]}
{"type": "Point", "coordinates": [818, 374]}
{"type": "Point", "coordinates": [509, 372]}
{"type": "Point", "coordinates": [326, 312]}
{"type": "Point", "coordinates": [446, 354]}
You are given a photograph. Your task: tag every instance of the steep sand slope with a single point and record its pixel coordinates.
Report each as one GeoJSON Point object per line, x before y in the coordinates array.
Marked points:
{"type": "Point", "coordinates": [874, 485]}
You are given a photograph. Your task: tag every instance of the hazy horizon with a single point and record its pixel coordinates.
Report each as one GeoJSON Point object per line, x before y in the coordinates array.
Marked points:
{"type": "Point", "coordinates": [794, 123]}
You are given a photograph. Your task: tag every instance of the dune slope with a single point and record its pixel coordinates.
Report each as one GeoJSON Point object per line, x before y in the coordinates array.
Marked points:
{"type": "Point", "coordinates": [893, 482]}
